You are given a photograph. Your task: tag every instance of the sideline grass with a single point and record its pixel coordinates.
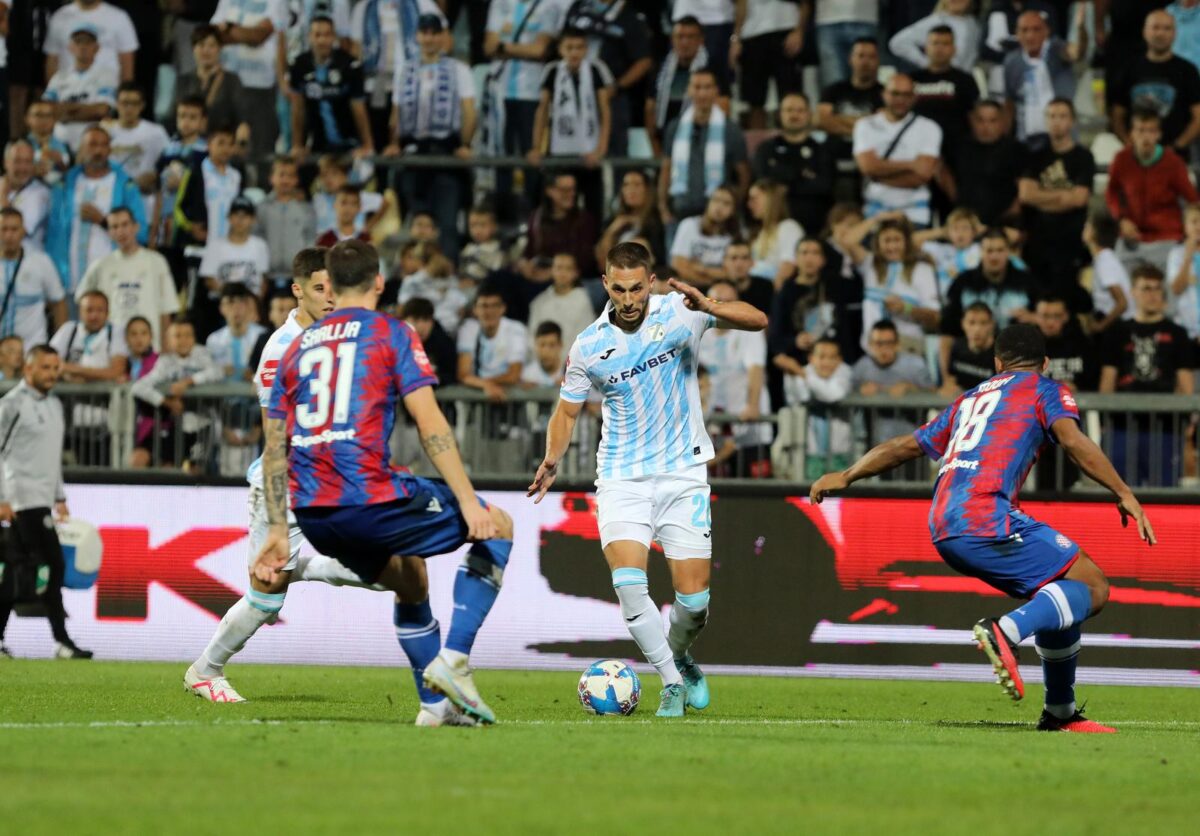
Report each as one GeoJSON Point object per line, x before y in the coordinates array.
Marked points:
{"type": "Point", "coordinates": [119, 747]}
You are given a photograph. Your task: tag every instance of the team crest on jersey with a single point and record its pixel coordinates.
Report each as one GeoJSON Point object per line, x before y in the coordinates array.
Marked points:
{"type": "Point", "coordinates": [1068, 400]}
{"type": "Point", "coordinates": [1063, 542]}
{"type": "Point", "coordinates": [656, 332]}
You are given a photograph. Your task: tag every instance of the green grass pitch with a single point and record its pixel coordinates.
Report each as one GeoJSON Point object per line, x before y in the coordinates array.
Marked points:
{"type": "Point", "coordinates": [120, 748]}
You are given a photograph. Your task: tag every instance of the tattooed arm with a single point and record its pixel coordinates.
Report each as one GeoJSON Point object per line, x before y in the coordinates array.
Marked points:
{"type": "Point", "coordinates": [276, 549]}
{"type": "Point", "coordinates": [438, 441]}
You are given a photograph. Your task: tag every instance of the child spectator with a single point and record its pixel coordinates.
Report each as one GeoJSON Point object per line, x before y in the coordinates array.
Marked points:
{"type": "Point", "coordinates": [971, 354]}
{"type": "Point", "coordinates": [184, 150]}
{"type": "Point", "coordinates": [1111, 294]}
{"type": "Point", "coordinates": [232, 345]}
{"type": "Point", "coordinates": [423, 228]}
{"type": "Point", "coordinates": [286, 221]}
{"type": "Point", "coordinates": [347, 207]}
{"type": "Point", "coordinates": [279, 307]}
{"type": "Point", "coordinates": [698, 250]}
{"type": "Point", "coordinates": [137, 144]}
{"type": "Point", "coordinates": [953, 246]}
{"type": "Point", "coordinates": [485, 254]}
{"type": "Point", "coordinates": [427, 274]}
{"type": "Point", "coordinates": [207, 192]}
{"type": "Point", "coordinates": [724, 448]}
{"type": "Point", "coordinates": [139, 347]}
{"type": "Point", "coordinates": [547, 368]}
{"type": "Point", "coordinates": [564, 303]}
{"type": "Point", "coordinates": [12, 357]}
{"type": "Point", "coordinates": [1183, 268]}
{"type": "Point", "coordinates": [241, 257]}
{"type": "Point", "coordinates": [821, 386]}
{"type": "Point", "coordinates": [799, 315]}
{"type": "Point", "coordinates": [333, 173]}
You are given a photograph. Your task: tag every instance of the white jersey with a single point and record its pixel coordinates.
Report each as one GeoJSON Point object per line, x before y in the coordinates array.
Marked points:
{"type": "Point", "coordinates": [264, 378]}
{"type": "Point", "coordinates": [653, 422]}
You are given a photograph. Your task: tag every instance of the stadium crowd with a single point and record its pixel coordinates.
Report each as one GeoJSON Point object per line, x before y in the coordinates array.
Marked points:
{"type": "Point", "coordinates": [889, 181]}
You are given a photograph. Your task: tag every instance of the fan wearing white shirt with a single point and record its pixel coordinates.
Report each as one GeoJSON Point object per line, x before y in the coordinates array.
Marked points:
{"type": "Point", "coordinates": [547, 367]}
{"type": "Point", "coordinates": [83, 91]}
{"type": "Point", "coordinates": [115, 34]}
{"type": "Point", "coordinates": [1111, 289]}
{"type": "Point", "coordinates": [20, 189]}
{"type": "Point", "coordinates": [253, 34]}
{"type": "Point", "coordinates": [491, 347]}
{"type": "Point", "coordinates": [30, 285]}
{"type": "Point", "coordinates": [242, 257]}
{"type": "Point", "coordinates": [137, 145]}
{"type": "Point", "coordinates": [564, 303]}
{"type": "Point", "coordinates": [92, 349]}
{"type": "Point", "coordinates": [231, 346]}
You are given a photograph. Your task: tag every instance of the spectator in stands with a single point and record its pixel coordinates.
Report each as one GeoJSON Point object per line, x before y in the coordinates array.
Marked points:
{"type": "Point", "coordinates": [847, 100]}
{"type": "Point", "coordinates": [547, 367]}
{"type": "Point", "coordinates": [32, 287]}
{"type": "Point", "coordinates": [716, 18]}
{"type": "Point", "coordinates": [231, 345]}
{"type": "Point", "coordinates": [1110, 282]}
{"type": "Point", "coordinates": [704, 150]}
{"type": "Point", "coordinates": [286, 220]}
{"type": "Point", "coordinates": [12, 357]}
{"type": "Point", "coordinates": [250, 31]}
{"type": "Point", "coordinates": [698, 251]}
{"type": "Point", "coordinates": [83, 91]}
{"type": "Point", "coordinates": [51, 156]}
{"type": "Point", "coordinates": [735, 269]}
{"type": "Point", "coordinates": [800, 162]}
{"type": "Point", "coordinates": [952, 19]}
{"type": "Point", "coordinates": [899, 283]}
{"type": "Point", "coordinates": [886, 370]}
{"type": "Point", "coordinates": [137, 144]}
{"type": "Point", "coordinates": [241, 257]}
{"type": "Point", "coordinates": [897, 151]}
{"type": "Point", "coordinates": [620, 37]}
{"type": "Point", "coordinates": [329, 111]}
{"type": "Point", "coordinates": [821, 387]}
{"type": "Point", "coordinates": [1070, 351]}
{"type": "Point", "coordinates": [1000, 31]}
{"type": "Point", "coordinates": [427, 274]}
{"type": "Point", "coordinates": [333, 172]}
{"type": "Point", "coordinates": [1147, 182]}
{"type": "Point", "coordinates": [484, 254]}
{"type": "Point", "coordinates": [1158, 81]}
{"type": "Point", "coordinates": [185, 149]}
{"type": "Point", "coordinates": [1054, 189]}
{"type": "Point", "coordinates": [668, 97]}
{"type": "Point", "coordinates": [135, 280]}
{"type": "Point", "coordinates": [564, 302]}
{"type": "Point", "coordinates": [736, 361]}
{"type": "Point", "coordinates": [841, 280]}
{"type": "Point", "coordinates": [76, 235]}
{"type": "Point", "coordinates": [91, 347]}
{"type": "Point", "coordinates": [112, 29]}
{"type": "Point", "coordinates": [1007, 290]}
{"type": "Point", "coordinates": [945, 91]}
{"type": "Point", "coordinates": [207, 191]}
{"type": "Point", "coordinates": [142, 358]}
{"type": "Point", "coordinates": [971, 355]}
{"type": "Point", "coordinates": [775, 236]}
{"type": "Point", "coordinates": [1148, 353]}
{"type": "Point", "coordinates": [439, 346]}
{"type": "Point", "coordinates": [347, 207]}
{"type": "Point", "coordinates": [22, 190]}
{"type": "Point", "coordinates": [491, 347]}
{"type": "Point", "coordinates": [1034, 76]}
{"type": "Point", "coordinates": [1183, 268]}
{"type": "Point", "coordinates": [573, 118]}
{"type": "Point", "coordinates": [770, 36]}
{"type": "Point", "coordinates": [841, 29]}
{"type": "Point", "coordinates": [1187, 29]}
{"type": "Point", "coordinates": [434, 114]}
{"type": "Point", "coordinates": [636, 216]}
{"type": "Point", "coordinates": [185, 365]}
{"type": "Point", "coordinates": [799, 315]}
{"type": "Point", "coordinates": [979, 170]}
{"type": "Point", "coordinates": [953, 247]}
{"type": "Point", "coordinates": [559, 226]}
{"type": "Point", "coordinates": [221, 90]}
{"type": "Point", "coordinates": [422, 227]}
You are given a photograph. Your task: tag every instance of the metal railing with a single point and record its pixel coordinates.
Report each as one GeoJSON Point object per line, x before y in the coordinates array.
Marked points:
{"type": "Point", "coordinates": [1150, 438]}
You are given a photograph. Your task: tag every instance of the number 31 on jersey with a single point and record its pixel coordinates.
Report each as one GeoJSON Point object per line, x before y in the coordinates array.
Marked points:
{"type": "Point", "coordinates": [318, 365]}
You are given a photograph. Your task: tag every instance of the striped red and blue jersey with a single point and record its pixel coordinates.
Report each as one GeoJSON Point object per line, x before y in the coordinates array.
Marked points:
{"type": "Point", "coordinates": [337, 388]}
{"type": "Point", "coordinates": [986, 441]}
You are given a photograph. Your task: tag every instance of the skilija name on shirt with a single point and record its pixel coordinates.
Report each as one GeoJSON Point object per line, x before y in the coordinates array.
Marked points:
{"type": "Point", "coordinates": [327, 333]}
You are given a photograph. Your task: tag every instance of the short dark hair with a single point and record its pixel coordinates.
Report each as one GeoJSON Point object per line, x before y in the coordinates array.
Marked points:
{"type": "Point", "coordinates": [320, 19]}
{"type": "Point", "coordinates": [183, 319]}
{"type": "Point", "coordinates": [11, 212]}
{"type": "Point", "coordinates": [1146, 271]}
{"type": "Point", "coordinates": [572, 32]}
{"type": "Point", "coordinates": [989, 103]}
{"type": "Point", "coordinates": [885, 325]}
{"type": "Point", "coordinates": [978, 307]}
{"type": "Point", "coordinates": [308, 261]}
{"type": "Point", "coordinates": [799, 94]}
{"type": "Point", "coordinates": [548, 329]}
{"type": "Point", "coordinates": [1021, 344]}
{"type": "Point", "coordinates": [828, 340]}
{"type": "Point", "coordinates": [204, 32]}
{"type": "Point", "coordinates": [138, 318]}
{"type": "Point", "coordinates": [1059, 100]}
{"type": "Point", "coordinates": [1105, 229]}
{"type": "Point", "coordinates": [131, 87]}
{"type": "Point", "coordinates": [352, 265]}
{"type": "Point", "coordinates": [197, 102]}
{"type": "Point", "coordinates": [629, 256]}
{"type": "Point", "coordinates": [708, 71]}
{"type": "Point", "coordinates": [38, 350]}
{"type": "Point", "coordinates": [995, 232]}
{"type": "Point", "coordinates": [941, 29]}
{"type": "Point", "coordinates": [99, 294]}
{"type": "Point", "coordinates": [349, 189]}
{"type": "Point", "coordinates": [417, 308]}
{"type": "Point", "coordinates": [236, 290]}
{"type": "Point", "coordinates": [689, 20]}
{"type": "Point", "coordinates": [221, 129]}
{"type": "Point", "coordinates": [1141, 113]}
{"type": "Point", "coordinates": [120, 210]}
{"type": "Point", "coordinates": [737, 242]}
{"type": "Point", "coordinates": [491, 290]}
{"type": "Point", "coordinates": [868, 41]}
{"type": "Point", "coordinates": [1051, 299]}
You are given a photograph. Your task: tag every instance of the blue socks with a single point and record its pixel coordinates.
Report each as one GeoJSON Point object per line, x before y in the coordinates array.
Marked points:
{"type": "Point", "coordinates": [1059, 650]}
{"type": "Point", "coordinates": [1056, 606]}
{"type": "Point", "coordinates": [475, 589]}
{"type": "Point", "coordinates": [420, 637]}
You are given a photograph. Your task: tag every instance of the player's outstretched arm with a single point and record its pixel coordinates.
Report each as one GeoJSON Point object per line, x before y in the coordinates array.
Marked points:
{"type": "Point", "coordinates": [442, 449]}
{"type": "Point", "coordinates": [740, 315]}
{"type": "Point", "coordinates": [879, 459]}
{"type": "Point", "coordinates": [275, 551]}
{"type": "Point", "coordinates": [558, 439]}
{"type": "Point", "coordinates": [1092, 461]}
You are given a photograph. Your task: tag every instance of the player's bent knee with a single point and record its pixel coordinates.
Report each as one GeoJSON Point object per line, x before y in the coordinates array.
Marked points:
{"type": "Point", "coordinates": [694, 601]}
{"type": "Point", "coordinates": [275, 586]}
{"type": "Point", "coordinates": [504, 523]}
{"type": "Point", "coordinates": [488, 559]}
{"type": "Point", "coordinates": [1099, 590]}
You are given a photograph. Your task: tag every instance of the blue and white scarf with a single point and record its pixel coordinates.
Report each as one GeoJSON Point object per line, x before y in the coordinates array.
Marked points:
{"type": "Point", "coordinates": [430, 114]}
{"type": "Point", "coordinates": [714, 152]}
{"type": "Point", "coordinates": [666, 77]}
{"type": "Point", "coordinates": [574, 115]}
{"type": "Point", "coordinates": [373, 41]}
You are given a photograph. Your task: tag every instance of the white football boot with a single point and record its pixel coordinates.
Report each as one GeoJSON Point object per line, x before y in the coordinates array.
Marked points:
{"type": "Point", "coordinates": [213, 689]}
{"type": "Point", "coordinates": [455, 682]}
{"type": "Point", "coordinates": [444, 713]}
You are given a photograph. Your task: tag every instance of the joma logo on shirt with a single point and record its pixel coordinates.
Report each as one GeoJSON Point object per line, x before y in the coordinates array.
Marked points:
{"type": "Point", "coordinates": [640, 368]}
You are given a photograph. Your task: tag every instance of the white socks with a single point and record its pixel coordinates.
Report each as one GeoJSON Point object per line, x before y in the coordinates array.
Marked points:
{"type": "Point", "coordinates": [240, 623]}
{"type": "Point", "coordinates": [689, 614]}
{"type": "Point", "coordinates": [644, 622]}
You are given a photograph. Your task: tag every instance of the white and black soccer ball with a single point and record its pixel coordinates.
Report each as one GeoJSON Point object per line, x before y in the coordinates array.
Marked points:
{"type": "Point", "coordinates": [609, 687]}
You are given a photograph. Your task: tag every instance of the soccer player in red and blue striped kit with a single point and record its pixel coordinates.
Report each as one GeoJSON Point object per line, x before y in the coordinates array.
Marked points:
{"type": "Point", "coordinates": [986, 442]}
{"type": "Point", "coordinates": [332, 410]}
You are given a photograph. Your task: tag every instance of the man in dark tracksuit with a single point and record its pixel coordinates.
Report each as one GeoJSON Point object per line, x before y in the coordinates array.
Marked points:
{"type": "Point", "coordinates": [31, 440]}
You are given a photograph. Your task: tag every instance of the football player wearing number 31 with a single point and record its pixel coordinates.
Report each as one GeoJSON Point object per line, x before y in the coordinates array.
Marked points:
{"type": "Point", "coordinates": [986, 442]}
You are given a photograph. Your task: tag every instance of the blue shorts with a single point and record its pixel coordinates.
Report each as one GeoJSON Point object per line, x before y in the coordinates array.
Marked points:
{"type": "Point", "coordinates": [1018, 565]}
{"type": "Point", "coordinates": [365, 537]}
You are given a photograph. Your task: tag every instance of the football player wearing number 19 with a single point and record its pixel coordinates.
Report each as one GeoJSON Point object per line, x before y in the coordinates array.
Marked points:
{"type": "Point", "coordinates": [652, 483]}
{"type": "Point", "coordinates": [986, 442]}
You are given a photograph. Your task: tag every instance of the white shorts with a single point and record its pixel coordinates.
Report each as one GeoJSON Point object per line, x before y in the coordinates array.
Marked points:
{"type": "Point", "coordinates": [672, 509]}
{"type": "Point", "coordinates": [260, 527]}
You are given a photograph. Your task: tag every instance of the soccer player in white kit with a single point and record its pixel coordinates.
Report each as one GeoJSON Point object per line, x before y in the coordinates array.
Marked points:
{"type": "Point", "coordinates": [262, 602]}
{"type": "Point", "coordinates": [652, 480]}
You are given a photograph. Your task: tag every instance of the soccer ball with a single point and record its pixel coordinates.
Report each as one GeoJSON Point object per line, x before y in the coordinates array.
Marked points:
{"type": "Point", "coordinates": [609, 687]}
